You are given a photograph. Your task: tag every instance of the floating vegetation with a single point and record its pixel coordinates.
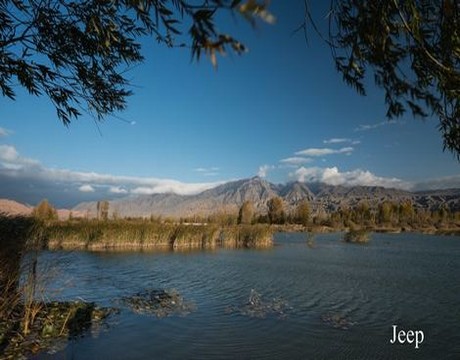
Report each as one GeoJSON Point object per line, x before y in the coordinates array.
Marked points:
{"type": "Point", "coordinates": [337, 320]}
{"type": "Point", "coordinates": [256, 307]}
{"type": "Point", "coordinates": [360, 236]}
{"type": "Point", "coordinates": [160, 303]}
{"type": "Point", "coordinates": [54, 323]}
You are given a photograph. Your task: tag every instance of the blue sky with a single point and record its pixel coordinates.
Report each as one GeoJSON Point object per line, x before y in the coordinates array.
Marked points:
{"type": "Point", "coordinates": [280, 111]}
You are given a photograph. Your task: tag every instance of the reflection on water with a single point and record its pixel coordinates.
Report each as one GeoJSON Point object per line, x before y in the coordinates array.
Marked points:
{"type": "Point", "coordinates": [343, 299]}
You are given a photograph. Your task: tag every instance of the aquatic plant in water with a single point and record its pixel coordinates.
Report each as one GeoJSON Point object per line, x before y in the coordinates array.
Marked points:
{"type": "Point", "coordinates": [260, 308]}
{"type": "Point", "coordinates": [160, 303]}
{"type": "Point", "coordinates": [53, 324]}
{"type": "Point", "coordinates": [360, 236]}
{"type": "Point", "coordinates": [337, 320]}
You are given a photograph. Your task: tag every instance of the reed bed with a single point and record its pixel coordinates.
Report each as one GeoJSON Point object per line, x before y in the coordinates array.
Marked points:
{"type": "Point", "coordinates": [97, 235]}
{"type": "Point", "coordinates": [143, 234]}
{"type": "Point", "coordinates": [247, 236]}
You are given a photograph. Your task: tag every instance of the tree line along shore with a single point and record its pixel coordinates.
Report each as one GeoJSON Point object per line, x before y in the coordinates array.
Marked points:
{"type": "Point", "coordinates": [245, 228]}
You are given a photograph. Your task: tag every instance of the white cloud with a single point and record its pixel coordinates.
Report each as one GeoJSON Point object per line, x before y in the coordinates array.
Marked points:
{"type": "Point", "coordinates": [25, 173]}
{"type": "Point", "coordinates": [86, 188]}
{"type": "Point", "coordinates": [12, 164]}
{"type": "Point", "coordinates": [176, 187]}
{"type": "Point", "coordinates": [324, 151]}
{"type": "Point", "coordinates": [263, 170]}
{"type": "Point", "coordinates": [337, 141]}
{"type": "Point", "coordinates": [341, 141]}
{"type": "Point", "coordinates": [9, 158]}
{"type": "Point", "coordinates": [4, 132]}
{"type": "Point", "coordinates": [202, 169]}
{"type": "Point", "coordinates": [333, 176]}
{"type": "Point", "coordinates": [296, 160]}
{"type": "Point", "coordinates": [8, 153]}
{"type": "Point", "coordinates": [366, 127]}
{"type": "Point", "coordinates": [212, 171]}
{"type": "Point", "coordinates": [143, 191]}
{"type": "Point", "coordinates": [117, 190]}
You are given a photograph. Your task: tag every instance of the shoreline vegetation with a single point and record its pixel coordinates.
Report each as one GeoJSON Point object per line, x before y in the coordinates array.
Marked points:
{"type": "Point", "coordinates": [150, 234]}
{"type": "Point", "coordinates": [145, 234]}
{"type": "Point", "coordinates": [246, 228]}
{"type": "Point", "coordinates": [221, 230]}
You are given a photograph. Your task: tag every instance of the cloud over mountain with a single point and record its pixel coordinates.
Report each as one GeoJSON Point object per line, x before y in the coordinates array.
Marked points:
{"type": "Point", "coordinates": [230, 196]}
{"type": "Point", "coordinates": [29, 181]}
{"type": "Point", "coordinates": [117, 190]}
{"type": "Point", "coordinates": [86, 188]}
{"type": "Point", "coordinates": [333, 176]}
{"type": "Point", "coordinates": [263, 170]}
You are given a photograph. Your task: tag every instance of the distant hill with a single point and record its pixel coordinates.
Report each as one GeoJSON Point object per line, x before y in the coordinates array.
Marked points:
{"type": "Point", "coordinates": [229, 197]}
{"type": "Point", "coordinates": [64, 214]}
{"type": "Point", "coordinates": [11, 207]}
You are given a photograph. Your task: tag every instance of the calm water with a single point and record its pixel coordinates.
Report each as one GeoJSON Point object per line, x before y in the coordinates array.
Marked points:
{"type": "Point", "coordinates": [408, 280]}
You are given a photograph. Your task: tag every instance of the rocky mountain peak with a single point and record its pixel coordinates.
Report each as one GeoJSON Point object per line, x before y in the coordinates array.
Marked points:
{"type": "Point", "coordinates": [230, 196]}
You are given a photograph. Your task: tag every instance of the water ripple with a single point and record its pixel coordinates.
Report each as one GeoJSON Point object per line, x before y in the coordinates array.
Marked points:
{"type": "Point", "coordinates": [405, 279]}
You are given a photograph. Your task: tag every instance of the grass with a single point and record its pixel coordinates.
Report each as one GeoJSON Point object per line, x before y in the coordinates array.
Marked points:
{"type": "Point", "coordinates": [144, 234]}
{"type": "Point", "coordinates": [18, 308]}
{"type": "Point", "coordinates": [97, 235]}
{"type": "Point", "coordinates": [247, 236]}
{"type": "Point", "coordinates": [17, 234]}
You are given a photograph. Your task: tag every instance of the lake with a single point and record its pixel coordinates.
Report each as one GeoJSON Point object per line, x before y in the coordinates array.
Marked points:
{"type": "Point", "coordinates": [338, 300]}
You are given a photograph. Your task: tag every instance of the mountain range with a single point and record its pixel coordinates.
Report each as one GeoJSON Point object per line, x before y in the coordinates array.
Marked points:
{"type": "Point", "coordinates": [230, 196]}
